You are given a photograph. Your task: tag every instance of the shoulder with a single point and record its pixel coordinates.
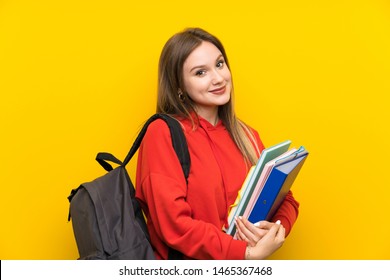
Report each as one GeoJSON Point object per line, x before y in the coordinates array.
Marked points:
{"type": "Point", "coordinates": [157, 128]}
{"type": "Point", "coordinates": [259, 142]}
{"type": "Point", "coordinates": [249, 129]}
{"type": "Point", "coordinates": [253, 131]}
{"type": "Point", "coordinates": [253, 135]}
{"type": "Point", "coordinates": [158, 133]}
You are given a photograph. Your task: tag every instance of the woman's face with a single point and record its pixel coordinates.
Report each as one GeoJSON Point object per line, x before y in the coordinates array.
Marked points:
{"type": "Point", "coordinates": [207, 79]}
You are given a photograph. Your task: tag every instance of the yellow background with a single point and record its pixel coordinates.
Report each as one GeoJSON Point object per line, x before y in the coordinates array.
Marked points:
{"type": "Point", "coordinates": [79, 77]}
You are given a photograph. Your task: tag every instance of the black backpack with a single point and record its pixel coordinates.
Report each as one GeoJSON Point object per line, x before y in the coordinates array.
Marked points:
{"type": "Point", "coordinates": [107, 220]}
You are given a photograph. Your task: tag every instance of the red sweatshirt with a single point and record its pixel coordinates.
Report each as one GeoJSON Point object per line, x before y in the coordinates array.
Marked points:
{"type": "Point", "coordinates": [189, 218]}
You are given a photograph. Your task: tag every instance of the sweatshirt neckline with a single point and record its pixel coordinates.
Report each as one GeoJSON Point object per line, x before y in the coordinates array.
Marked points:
{"type": "Point", "coordinates": [203, 123]}
{"type": "Point", "coordinates": [207, 125]}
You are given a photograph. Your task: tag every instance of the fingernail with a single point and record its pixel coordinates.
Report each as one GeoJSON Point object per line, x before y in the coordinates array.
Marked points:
{"type": "Point", "coordinates": [278, 222]}
{"type": "Point", "coordinates": [256, 224]}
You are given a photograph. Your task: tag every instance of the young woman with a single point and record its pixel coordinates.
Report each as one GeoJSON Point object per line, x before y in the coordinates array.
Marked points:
{"type": "Point", "coordinates": [195, 86]}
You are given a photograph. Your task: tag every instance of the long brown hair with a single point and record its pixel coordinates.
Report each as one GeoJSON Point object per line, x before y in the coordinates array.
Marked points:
{"type": "Point", "coordinates": [170, 81]}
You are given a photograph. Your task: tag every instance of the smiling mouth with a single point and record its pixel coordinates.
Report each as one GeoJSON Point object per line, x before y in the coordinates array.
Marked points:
{"type": "Point", "coordinates": [220, 90]}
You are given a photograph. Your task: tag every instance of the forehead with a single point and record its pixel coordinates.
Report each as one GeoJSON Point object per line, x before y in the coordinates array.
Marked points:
{"type": "Point", "coordinates": [204, 54]}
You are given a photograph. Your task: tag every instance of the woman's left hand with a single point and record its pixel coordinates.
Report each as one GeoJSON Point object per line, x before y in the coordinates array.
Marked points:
{"type": "Point", "coordinates": [251, 233]}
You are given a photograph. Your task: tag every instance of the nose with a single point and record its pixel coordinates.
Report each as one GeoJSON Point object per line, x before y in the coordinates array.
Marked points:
{"type": "Point", "coordinates": [217, 77]}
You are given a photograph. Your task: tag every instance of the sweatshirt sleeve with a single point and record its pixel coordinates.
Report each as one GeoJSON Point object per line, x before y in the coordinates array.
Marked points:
{"type": "Point", "coordinates": [163, 192]}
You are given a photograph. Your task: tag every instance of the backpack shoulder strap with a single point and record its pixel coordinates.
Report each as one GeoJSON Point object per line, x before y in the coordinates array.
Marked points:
{"type": "Point", "coordinates": [179, 142]}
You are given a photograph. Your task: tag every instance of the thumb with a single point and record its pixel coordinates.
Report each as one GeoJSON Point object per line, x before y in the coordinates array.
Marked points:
{"type": "Point", "coordinates": [275, 229]}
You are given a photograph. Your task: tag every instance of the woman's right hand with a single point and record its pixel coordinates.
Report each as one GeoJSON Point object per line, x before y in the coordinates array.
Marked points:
{"type": "Point", "coordinates": [269, 238]}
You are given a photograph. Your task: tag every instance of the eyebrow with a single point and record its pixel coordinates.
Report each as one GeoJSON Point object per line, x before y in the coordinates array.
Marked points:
{"type": "Point", "coordinates": [203, 66]}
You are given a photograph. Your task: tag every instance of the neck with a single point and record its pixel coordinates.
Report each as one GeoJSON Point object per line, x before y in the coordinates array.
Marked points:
{"type": "Point", "coordinates": [211, 116]}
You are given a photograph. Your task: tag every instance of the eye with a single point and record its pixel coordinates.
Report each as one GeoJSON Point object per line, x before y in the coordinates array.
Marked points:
{"type": "Point", "coordinates": [200, 72]}
{"type": "Point", "coordinates": [220, 63]}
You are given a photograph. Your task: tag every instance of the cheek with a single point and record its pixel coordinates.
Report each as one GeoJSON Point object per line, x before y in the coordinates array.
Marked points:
{"type": "Point", "coordinates": [227, 75]}
{"type": "Point", "coordinates": [196, 86]}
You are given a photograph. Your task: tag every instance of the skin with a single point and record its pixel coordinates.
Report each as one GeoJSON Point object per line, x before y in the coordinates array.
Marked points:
{"type": "Point", "coordinates": [262, 239]}
{"type": "Point", "coordinates": [207, 81]}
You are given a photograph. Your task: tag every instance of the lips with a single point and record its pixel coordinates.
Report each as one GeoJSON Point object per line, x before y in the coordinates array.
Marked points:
{"type": "Point", "coordinates": [220, 90]}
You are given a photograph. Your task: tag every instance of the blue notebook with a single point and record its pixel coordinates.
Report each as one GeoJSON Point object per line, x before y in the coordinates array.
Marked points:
{"type": "Point", "coordinates": [276, 188]}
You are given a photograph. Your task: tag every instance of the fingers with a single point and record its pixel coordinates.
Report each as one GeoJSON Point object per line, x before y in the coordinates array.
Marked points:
{"type": "Point", "coordinates": [281, 233]}
{"type": "Point", "coordinates": [250, 232]}
{"type": "Point", "coordinates": [263, 224]}
{"type": "Point", "coordinates": [251, 227]}
{"type": "Point", "coordinates": [253, 233]}
{"type": "Point", "coordinates": [245, 233]}
{"type": "Point", "coordinates": [266, 246]}
{"type": "Point", "coordinates": [277, 233]}
{"type": "Point", "coordinates": [258, 229]}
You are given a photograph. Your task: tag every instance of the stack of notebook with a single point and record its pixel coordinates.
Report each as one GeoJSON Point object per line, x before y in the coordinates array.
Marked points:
{"type": "Point", "coordinates": [267, 184]}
